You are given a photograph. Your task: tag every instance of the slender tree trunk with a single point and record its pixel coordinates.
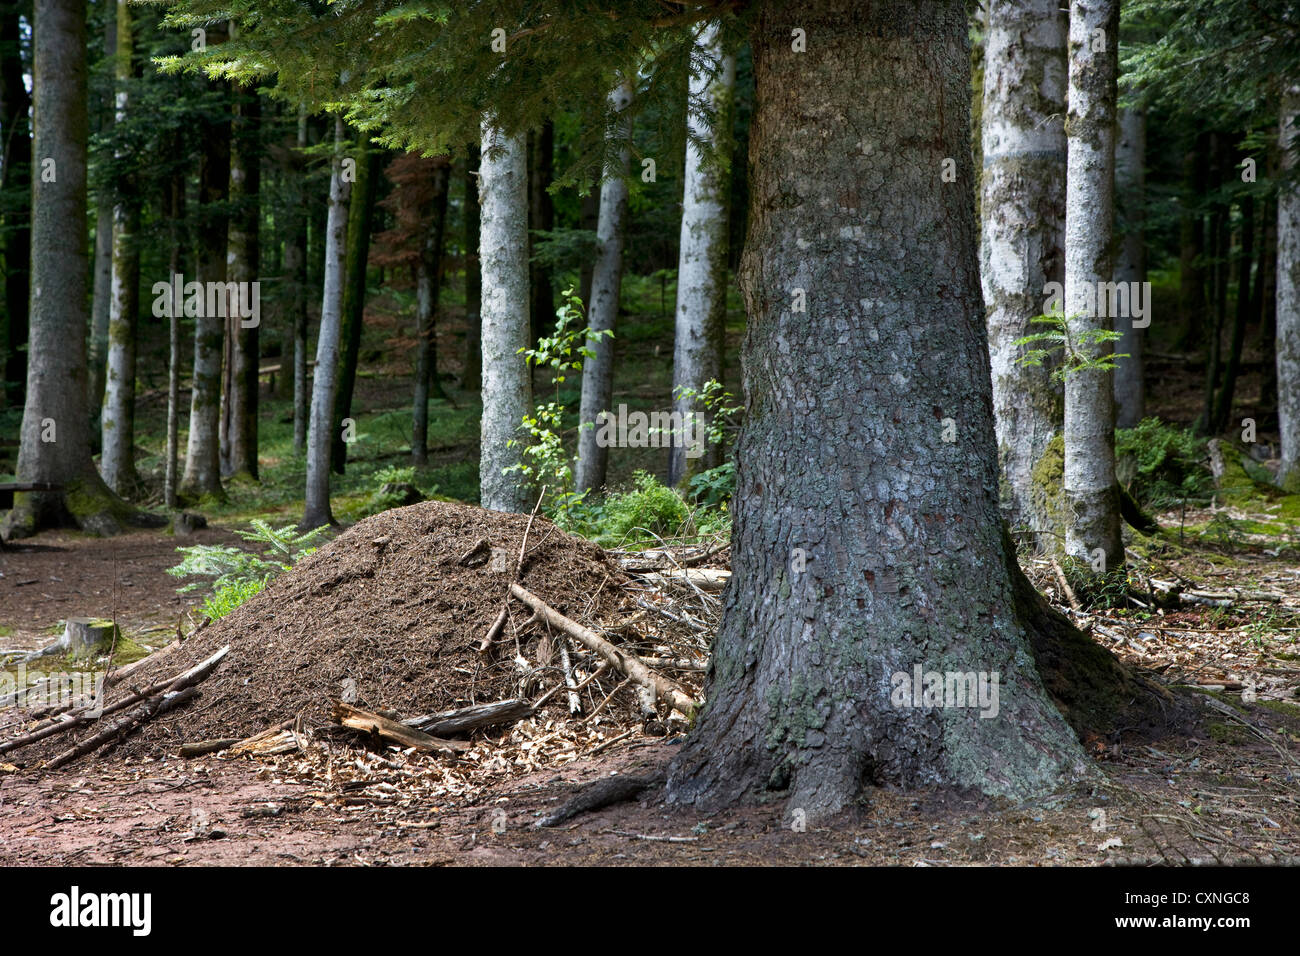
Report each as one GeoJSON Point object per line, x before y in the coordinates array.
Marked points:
{"type": "Point", "coordinates": [472, 378]}
{"type": "Point", "coordinates": [1130, 187]}
{"type": "Point", "coordinates": [176, 218]}
{"type": "Point", "coordinates": [295, 267]}
{"type": "Point", "coordinates": [361, 212]}
{"type": "Point", "coordinates": [102, 292]}
{"type": "Point", "coordinates": [16, 180]}
{"type": "Point", "coordinates": [55, 442]}
{"type": "Point", "coordinates": [1022, 236]}
{"type": "Point", "coordinates": [602, 315]}
{"type": "Point", "coordinates": [541, 215]}
{"type": "Point", "coordinates": [319, 439]}
{"type": "Point", "coordinates": [1091, 493]}
{"type": "Point", "coordinates": [244, 259]}
{"type": "Point", "coordinates": [428, 284]}
{"type": "Point", "coordinates": [702, 258]}
{"type": "Point", "coordinates": [1288, 293]}
{"type": "Point", "coordinates": [589, 219]}
{"type": "Point", "coordinates": [1245, 258]}
{"type": "Point", "coordinates": [865, 544]}
{"type": "Point", "coordinates": [507, 384]}
{"type": "Point", "coordinates": [117, 421]}
{"type": "Point", "coordinates": [1220, 250]}
{"type": "Point", "coordinates": [1191, 275]}
{"type": "Point", "coordinates": [1266, 271]}
{"type": "Point", "coordinates": [202, 476]}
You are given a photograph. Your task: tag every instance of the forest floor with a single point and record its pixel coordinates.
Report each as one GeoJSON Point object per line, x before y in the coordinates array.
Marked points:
{"type": "Point", "coordinates": [1227, 791]}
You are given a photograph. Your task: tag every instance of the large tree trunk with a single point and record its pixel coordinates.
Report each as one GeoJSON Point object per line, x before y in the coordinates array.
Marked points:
{"type": "Point", "coordinates": [602, 314]}
{"type": "Point", "coordinates": [865, 543]}
{"type": "Point", "coordinates": [1022, 235]}
{"type": "Point", "coordinates": [117, 419]}
{"type": "Point", "coordinates": [361, 211]}
{"type": "Point", "coordinates": [1288, 293]}
{"type": "Point", "coordinates": [15, 180]}
{"type": "Point", "coordinates": [320, 438]}
{"type": "Point", "coordinates": [1130, 188]}
{"type": "Point", "coordinates": [428, 285]}
{"type": "Point", "coordinates": [472, 378]}
{"type": "Point", "coordinates": [55, 442]}
{"type": "Point", "coordinates": [244, 258]}
{"type": "Point", "coordinates": [702, 258]}
{"type": "Point", "coordinates": [507, 384]}
{"type": "Point", "coordinates": [1091, 493]}
{"type": "Point", "coordinates": [202, 476]}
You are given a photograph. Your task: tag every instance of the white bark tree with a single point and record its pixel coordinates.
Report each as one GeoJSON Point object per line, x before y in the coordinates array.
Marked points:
{"type": "Point", "coordinates": [702, 259]}
{"type": "Point", "coordinates": [117, 417]}
{"type": "Point", "coordinates": [606, 286]}
{"type": "Point", "coordinates": [506, 382]}
{"type": "Point", "coordinates": [1130, 187]}
{"type": "Point", "coordinates": [1022, 235]}
{"type": "Point", "coordinates": [317, 511]}
{"type": "Point", "coordinates": [1091, 493]}
{"type": "Point", "coordinates": [1288, 293]}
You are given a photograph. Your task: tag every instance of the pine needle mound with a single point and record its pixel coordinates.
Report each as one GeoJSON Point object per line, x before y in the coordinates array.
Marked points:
{"type": "Point", "coordinates": [390, 605]}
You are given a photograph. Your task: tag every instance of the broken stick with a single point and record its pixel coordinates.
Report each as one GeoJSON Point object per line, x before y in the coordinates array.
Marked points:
{"type": "Point", "coordinates": [355, 718]}
{"type": "Point", "coordinates": [625, 662]}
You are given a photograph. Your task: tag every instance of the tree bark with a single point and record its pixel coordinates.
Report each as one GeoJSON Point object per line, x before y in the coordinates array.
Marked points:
{"type": "Point", "coordinates": [1288, 293]}
{"type": "Point", "coordinates": [1130, 187]}
{"type": "Point", "coordinates": [176, 219]}
{"type": "Point", "coordinates": [317, 511]}
{"type": "Point", "coordinates": [602, 314]}
{"type": "Point", "coordinates": [507, 384]}
{"type": "Point", "coordinates": [295, 267]}
{"type": "Point", "coordinates": [1241, 317]}
{"type": "Point", "coordinates": [361, 211]}
{"type": "Point", "coordinates": [1091, 492]}
{"type": "Point", "coordinates": [244, 263]}
{"type": "Point", "coordinates": [865, 544]}
{"type": "Point", "coordinates": [55, 441]}
{"type": "Point", "coordinates": [15, 178]}
{"type": "Point", "coordinates": [1022, 237]}
{"type": "Point", "coordinates": [702, 258]}
{"type": "Point", "coordinates": [202, 477]}
{"type": "Point", "coordinates": [102, 290]}
{"type": "Point", "coordinates": [1191, 275]}
{"type": "Point", "coordinates": [117, 419]}
{"type": "Point", "coordinates": [472, 378]}
{"type": "Point", "coordinates": [428, 285]}
{"type": "Point", "coordinates": [541, 215]}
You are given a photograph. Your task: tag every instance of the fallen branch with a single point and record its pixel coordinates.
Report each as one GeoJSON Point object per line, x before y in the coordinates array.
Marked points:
{"type": "Point", "coordinates": [85, 715]}
{"type": "Point", "coordinates": [146, 712]}
{"type": "Point", "coordinates": [355, 718]}
{"type": "Point", "coordinates": [623, 661]}
{"type": "Point", "coordinates": [454, 723]}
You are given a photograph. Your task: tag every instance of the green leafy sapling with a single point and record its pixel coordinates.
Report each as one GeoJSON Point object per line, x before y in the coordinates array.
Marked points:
{"type": "Point", "coordinates": [564, 351]}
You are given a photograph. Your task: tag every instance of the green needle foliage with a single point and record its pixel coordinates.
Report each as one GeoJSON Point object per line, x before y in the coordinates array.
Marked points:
{"type": "Point", "coordinates": [1076, 353]}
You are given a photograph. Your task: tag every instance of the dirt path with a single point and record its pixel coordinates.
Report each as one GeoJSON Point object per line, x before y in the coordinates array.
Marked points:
{"type": "Point", "coordinates": [60, 575]}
